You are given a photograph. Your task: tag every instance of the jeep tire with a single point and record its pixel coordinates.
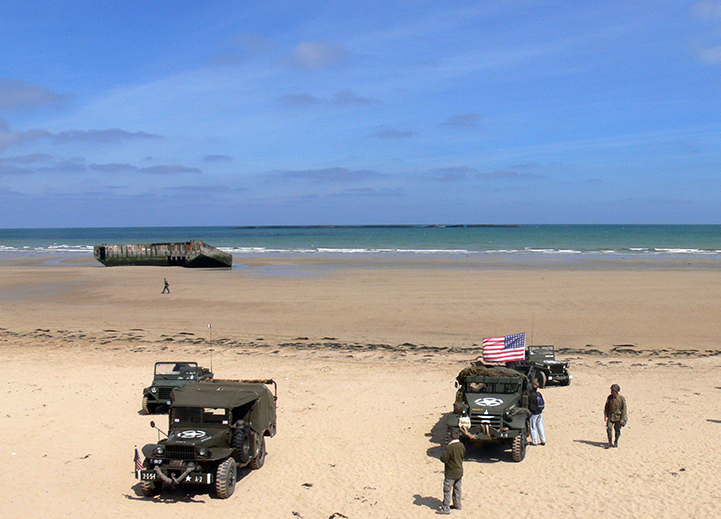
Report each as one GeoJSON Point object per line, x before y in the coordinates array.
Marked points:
{"type": "Point", "coordinates": [259, 459]}
{"type": "Point", "coordinates": [150, 488]}
{"type": "Point", "coordinates": [225, 478]}
{"type": "Point", "coordinates": [541, 378]}
{"type": "Point", "coordinates": [519, 446]}
{"type": "Point", "coordinates": [146, 406]}
{"type": "Point", "coordinates": [243, 442]}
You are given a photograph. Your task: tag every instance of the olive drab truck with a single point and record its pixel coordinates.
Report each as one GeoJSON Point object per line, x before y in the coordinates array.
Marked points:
{"type": "Point", "coordinates": [492, 407]}
{"type": "Point", "coordinates": [215, 427]}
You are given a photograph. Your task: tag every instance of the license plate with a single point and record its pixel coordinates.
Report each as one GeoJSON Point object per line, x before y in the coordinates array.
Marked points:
{"type": "Point", "coordinates": [147, 476]}
{"type": "Point", "coordinates": [198, 478]}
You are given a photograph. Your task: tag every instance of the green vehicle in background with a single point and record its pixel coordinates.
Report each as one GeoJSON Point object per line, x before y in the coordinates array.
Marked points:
{"type": "Point", "coordinates": [492, 407]}
{"type": "Point", "coordinates": [168, 376]}
{"type": "Point", "coordinates": [215, 427]}
{"type": "Point", "coordinates": [541, 364]}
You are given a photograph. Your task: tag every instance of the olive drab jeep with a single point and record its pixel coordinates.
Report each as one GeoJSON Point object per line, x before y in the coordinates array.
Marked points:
{"type": "Point", "coordinates": [168, 376]}
{"type": "Point", "coordinates": [492, 407]}
{"type": "Point", "coordinates": [541, 364]}
{"type": "Point", "coordinates": [215, 427]}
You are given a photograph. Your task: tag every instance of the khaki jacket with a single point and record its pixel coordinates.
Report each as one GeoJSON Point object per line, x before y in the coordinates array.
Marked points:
{"type": "Point", "coordinates": [615, 409]}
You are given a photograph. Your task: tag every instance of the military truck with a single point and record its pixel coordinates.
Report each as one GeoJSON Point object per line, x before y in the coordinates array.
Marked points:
{"type": "Point", "coordinates": [168, 376]}
{"type": "Point", "coordinates": [541, 364]}
{"type": "Point", "coordinates": [216, 426]}
{"type": "Point", "coordinates": [492, 407]}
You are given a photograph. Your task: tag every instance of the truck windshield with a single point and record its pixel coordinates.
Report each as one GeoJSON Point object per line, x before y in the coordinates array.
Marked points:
{"type": "Point", "coordinates": [176, 370]}
{"type": "Point", "coordinates": [493, 387]}
{"type": "Point", "coordinates": [208, 415]}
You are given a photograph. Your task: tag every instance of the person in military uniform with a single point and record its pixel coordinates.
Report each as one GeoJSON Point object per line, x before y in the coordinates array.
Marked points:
{"type": "Point", "coordinates": [616, 416]}
{"type": "Point", "coordinates": [452, 458]}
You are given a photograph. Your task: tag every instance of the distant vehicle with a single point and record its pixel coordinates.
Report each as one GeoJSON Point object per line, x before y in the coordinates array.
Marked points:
{"type": "Point", "coordinates": [541, 365]}
{"type": "Point", "coordinates": [492, 407]}
{"type": "Point", "coordinates": [168, 376]}
{"type": "Point", "coordinates": [215, 427]}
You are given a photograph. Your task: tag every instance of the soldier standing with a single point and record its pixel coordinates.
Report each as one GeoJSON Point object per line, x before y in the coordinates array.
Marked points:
{"type": "Point", "coordinates": [616, 416]}
{"type": "Point", "coordinates": [452, 458]}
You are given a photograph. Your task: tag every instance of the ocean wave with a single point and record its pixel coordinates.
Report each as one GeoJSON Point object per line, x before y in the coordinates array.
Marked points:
{"type": "Point", "coordinates": [391, 251]}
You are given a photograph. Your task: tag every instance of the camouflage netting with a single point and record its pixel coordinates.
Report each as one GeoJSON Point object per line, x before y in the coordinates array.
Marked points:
{"type": "Point", "coordinates": [485, 371]}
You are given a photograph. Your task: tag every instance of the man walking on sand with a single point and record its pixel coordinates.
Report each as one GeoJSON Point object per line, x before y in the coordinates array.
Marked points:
{"type": "Point", "coordinates": [166, 288]}
{"type": "Point", "coordinates": [615, 413]}
{"type": "Point", "coordinates": [452, 458]}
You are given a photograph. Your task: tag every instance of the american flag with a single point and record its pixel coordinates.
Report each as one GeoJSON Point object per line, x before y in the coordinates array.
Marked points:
{"type": "Point", "coordinates": [138, 461]}
{"type": "Point", "coordinates": [504, 349]}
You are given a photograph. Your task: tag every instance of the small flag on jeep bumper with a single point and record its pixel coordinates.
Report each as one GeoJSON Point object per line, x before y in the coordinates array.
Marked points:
{"type": "Point", "coordinates": [138, 461]}
{"type": "Point", "coordinates": [504, 349]}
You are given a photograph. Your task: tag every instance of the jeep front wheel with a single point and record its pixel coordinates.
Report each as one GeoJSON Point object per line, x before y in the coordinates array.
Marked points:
{"type": "Point", "coordinates": [225, 478]}
{"type": "Point", "coordinates": [259, 459]}
{"type": "Point", "coordinates": [146, 406]}
{"type": "Point", "coordinates": [541, 378]}
{"type": "Point", "coordinates": [150, 488]}
{"type": "Point", "coordinates": [519, 446]}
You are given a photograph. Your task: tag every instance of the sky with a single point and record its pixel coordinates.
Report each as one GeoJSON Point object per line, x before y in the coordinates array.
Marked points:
{"type": "Point", "coordinates": [180, 112]}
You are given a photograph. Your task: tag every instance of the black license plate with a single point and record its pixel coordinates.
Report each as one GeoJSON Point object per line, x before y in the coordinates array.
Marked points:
{"type": "Point", "coordinates": [198, 478]}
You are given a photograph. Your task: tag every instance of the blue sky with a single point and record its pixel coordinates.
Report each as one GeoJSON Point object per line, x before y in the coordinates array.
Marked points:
{"type": "Point", "coordinates": [396, 112]}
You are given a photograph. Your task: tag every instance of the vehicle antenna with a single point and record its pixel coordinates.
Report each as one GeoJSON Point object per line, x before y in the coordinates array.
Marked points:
{"type": "Point", "coordinates": [210, 330]}
{"type": "Point", "coordinates": [531, 343]}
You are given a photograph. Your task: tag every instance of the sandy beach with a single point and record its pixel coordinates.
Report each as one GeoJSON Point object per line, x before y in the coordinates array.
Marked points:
{"type": "Point", "coordinates": [365, 352]}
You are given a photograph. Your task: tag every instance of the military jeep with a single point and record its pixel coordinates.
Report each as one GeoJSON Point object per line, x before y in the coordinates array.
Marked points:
{"type": "Point", "coordinates": [168, 376]}
{"type": "Point", "coordinates": [541, 364]}
{"type": "Point", "coordinates": [492, 407]}
{"type": "Point", "coordinates": [215, 427]}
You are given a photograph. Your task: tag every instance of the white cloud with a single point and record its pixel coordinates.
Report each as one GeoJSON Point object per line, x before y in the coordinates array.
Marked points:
{"type": "Point", "coordinates": [318, 55]}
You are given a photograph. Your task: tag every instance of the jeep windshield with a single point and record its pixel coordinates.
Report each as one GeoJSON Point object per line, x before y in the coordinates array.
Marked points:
{"type": "Point", "coordinates": [176, 370]}
{"type": "Point", "coordinates": [547, 351]}
{"type": "Point", "coordinates": [199, 415]}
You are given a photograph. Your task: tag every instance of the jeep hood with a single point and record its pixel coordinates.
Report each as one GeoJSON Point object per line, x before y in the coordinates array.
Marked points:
{"type": "Point", "coordinates": [197, 434]}
{"type": "Point", "coordinates": [493, 404]}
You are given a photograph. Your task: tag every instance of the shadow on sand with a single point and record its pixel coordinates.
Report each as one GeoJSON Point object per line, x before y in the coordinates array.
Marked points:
{"type": "Point", "coordinates": [430, 502]}
{"type": "Point", "coordinates": [601, 445]}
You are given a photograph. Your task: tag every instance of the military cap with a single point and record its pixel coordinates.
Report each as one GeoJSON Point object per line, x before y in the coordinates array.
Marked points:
{"type": "Point", "coordinates": [616, 388]}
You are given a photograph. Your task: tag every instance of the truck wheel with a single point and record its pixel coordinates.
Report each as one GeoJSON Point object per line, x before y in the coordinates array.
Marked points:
{"type": "Point", "coordinates": [242, 441]}
{"type": "Point", "coordinates": [519, 446]}
{"type": "Point", "coordinates": [150, 488]}
{"type": "Point", "coordinates": [146, 406]}
{"type": "Point", "coordinates": [225, 478]}
{"type": "Point", "coordinates": [258, 461]}
{"type": "Point", "coordinates": [566, 382]}
{"type": "Point", "coordinates": [541, 378]}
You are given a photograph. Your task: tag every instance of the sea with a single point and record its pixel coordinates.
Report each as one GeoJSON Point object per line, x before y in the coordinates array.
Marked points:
{"type": "Point", "coordinates": [389, 240]}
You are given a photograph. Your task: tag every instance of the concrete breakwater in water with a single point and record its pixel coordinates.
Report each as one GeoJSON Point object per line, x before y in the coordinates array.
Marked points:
{"type": "Point", "coordinates": [183, 254]}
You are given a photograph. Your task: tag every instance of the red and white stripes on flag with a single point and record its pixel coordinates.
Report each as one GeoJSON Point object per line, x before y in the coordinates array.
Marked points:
{"type": "Point", "coordinates": [505, 349]}
{"type": "Point", "coordinates": [138, 461]}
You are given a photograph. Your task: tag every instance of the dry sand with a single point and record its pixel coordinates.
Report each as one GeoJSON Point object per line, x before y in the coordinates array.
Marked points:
{"type": "Point", "coordinates": [365, 353]}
